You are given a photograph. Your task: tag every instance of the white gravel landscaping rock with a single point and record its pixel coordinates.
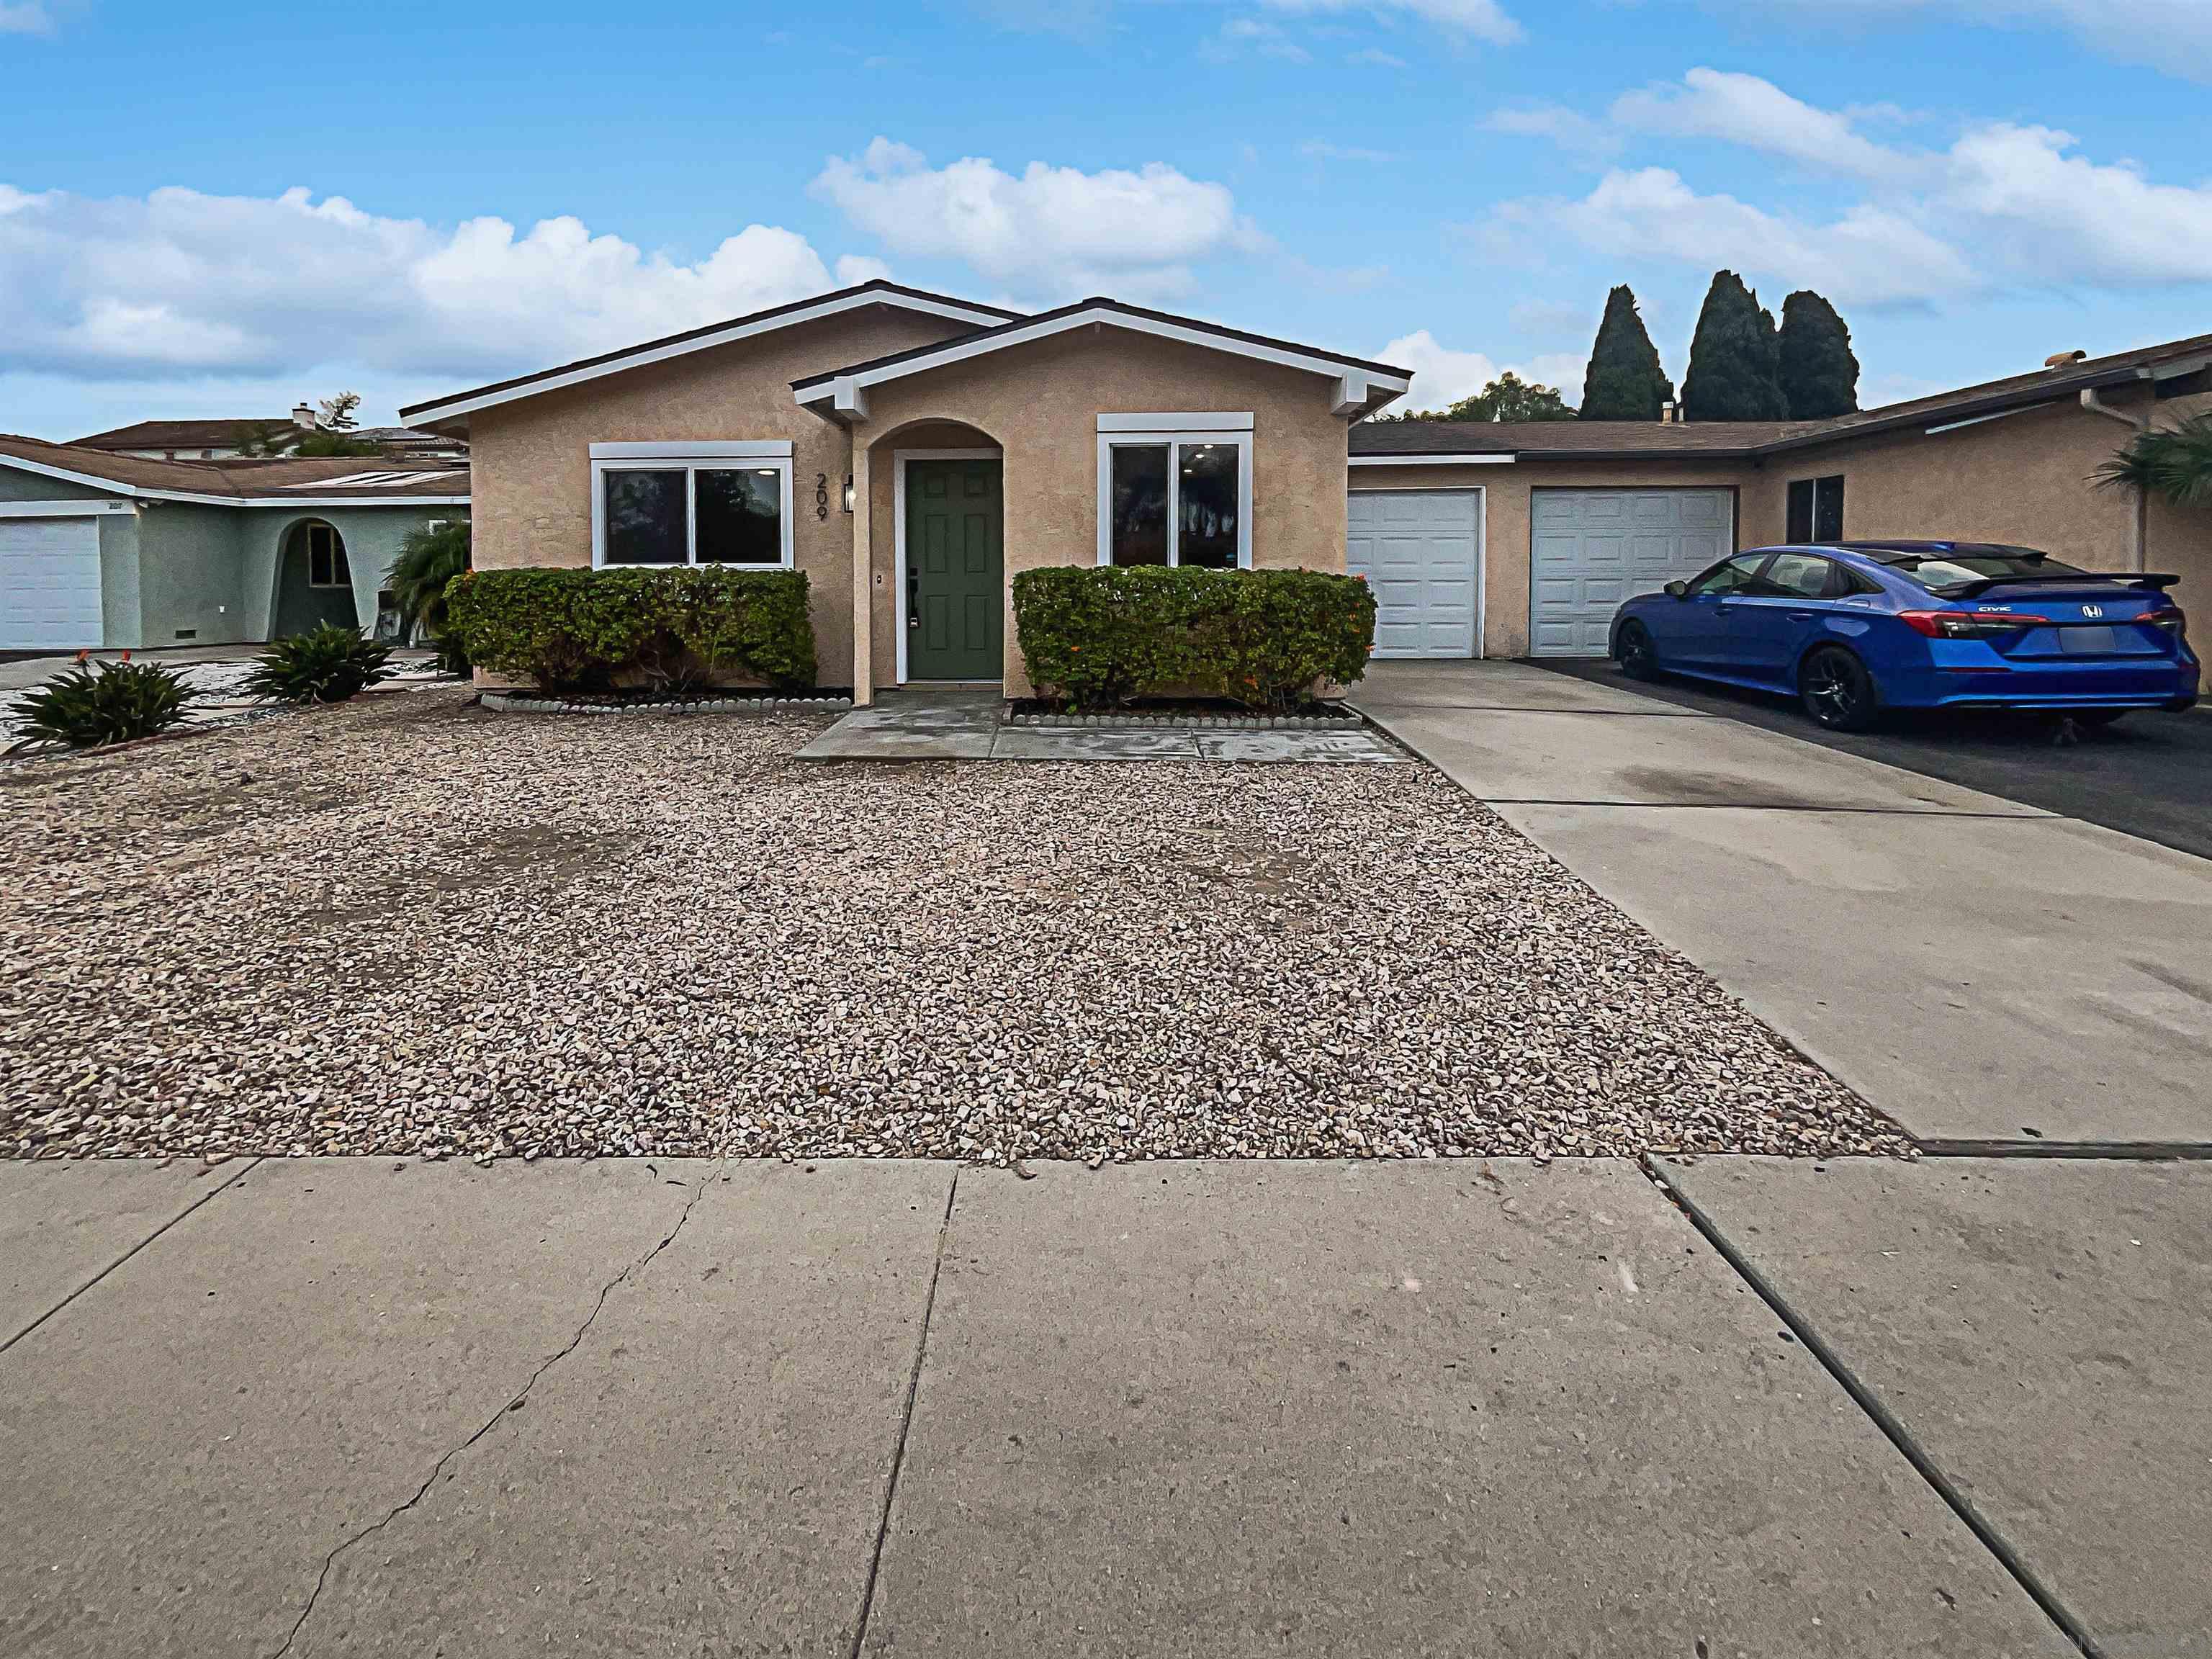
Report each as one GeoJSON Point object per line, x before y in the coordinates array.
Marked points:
{"type": "Point", "coordinates": [410, 926]}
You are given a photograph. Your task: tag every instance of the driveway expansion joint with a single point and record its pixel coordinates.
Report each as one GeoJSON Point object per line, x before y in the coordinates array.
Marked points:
{"type": "Point", "coordinates": [2138, 1151]}
{"type": "Point", "coordinates": [507, 1409]}
{"type": "Point", "coordinates": [1869, 1402]}
{"type": "Point", "coordinates": [246, 1165]}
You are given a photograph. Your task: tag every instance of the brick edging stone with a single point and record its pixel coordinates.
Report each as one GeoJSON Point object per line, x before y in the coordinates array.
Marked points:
{"type": "Point", "coordinates": [1347, 721]}
{"type": "Point", "coordinates": [509, 703]}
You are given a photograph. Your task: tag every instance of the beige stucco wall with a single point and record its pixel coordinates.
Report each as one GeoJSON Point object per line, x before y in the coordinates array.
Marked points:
{"type": "Point", "coordinates": [1506, 528]}
{"type": "Point", "coordinates": [531, 461]}
{"type": "Point", "coordinates": [1040, 405]}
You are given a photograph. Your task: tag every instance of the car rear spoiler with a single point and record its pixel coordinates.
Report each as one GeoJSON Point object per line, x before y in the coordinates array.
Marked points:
{"type": "Point", "coordinates": [2155, 583]}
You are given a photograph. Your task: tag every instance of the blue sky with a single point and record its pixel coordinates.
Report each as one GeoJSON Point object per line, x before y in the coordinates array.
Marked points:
{"type": "Point", "coordinates": [211, 210]}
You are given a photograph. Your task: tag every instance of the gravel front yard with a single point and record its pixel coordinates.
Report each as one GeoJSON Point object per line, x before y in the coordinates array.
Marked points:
{"type": "Point", "coordinates": [409, 925]}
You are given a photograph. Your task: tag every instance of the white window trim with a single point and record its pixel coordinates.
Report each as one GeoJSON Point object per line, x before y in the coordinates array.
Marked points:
{"type": "Point", "coordinates": [1179, 422]}
{"type": "Point", "coordinates": [1110, 440]}
{"type": "Point", "coordinates": [690, 457]}
{"type": "Point", "coordinates": [899, 458]}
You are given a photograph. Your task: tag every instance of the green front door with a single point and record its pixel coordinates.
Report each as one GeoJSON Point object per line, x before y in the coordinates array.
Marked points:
{"type": "Point", "coordinates": [955, 571]}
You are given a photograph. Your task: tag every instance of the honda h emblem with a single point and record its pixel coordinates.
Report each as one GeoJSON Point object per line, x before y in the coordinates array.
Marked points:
{"type": "Point", "coordinates": [2093, 610]}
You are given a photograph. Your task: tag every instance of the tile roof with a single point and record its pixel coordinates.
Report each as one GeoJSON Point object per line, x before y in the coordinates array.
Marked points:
{"type": "Point", "coordinates": [333, 477]}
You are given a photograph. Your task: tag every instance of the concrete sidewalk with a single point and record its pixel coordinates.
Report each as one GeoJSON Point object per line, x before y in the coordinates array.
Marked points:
{"type": "Point", "coordinates": [1984, 972]}
{"type": "Point", "coordinates": [369, 1406]}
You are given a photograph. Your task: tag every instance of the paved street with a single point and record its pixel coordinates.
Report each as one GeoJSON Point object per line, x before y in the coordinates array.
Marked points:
{"type": "Point", "coordinates": [1987, 973]}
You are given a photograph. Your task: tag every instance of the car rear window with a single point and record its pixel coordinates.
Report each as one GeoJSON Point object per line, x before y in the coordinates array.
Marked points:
{"type": "Point", "coordinates": [1936, 571]}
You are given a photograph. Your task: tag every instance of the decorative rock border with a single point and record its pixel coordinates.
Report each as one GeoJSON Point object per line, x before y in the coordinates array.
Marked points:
{"type": "Point", "coordinates": [510, 703]}
{"type": "Point", "coordinates": [1344, 721]}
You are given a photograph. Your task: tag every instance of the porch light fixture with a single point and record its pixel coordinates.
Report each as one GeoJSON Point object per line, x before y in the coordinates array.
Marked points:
{"type": "Point", "coordinates": [848, 492]}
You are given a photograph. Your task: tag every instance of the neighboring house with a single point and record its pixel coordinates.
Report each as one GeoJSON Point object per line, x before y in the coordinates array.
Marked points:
{"type": "Point", "coordinates": [1519, 540]}
{"type": "Point", "coordinates": [228, 440]}
{"type": "Point", "coordinates": [911, 453]}
{"type": "Point", "coordinates": [100, 550]}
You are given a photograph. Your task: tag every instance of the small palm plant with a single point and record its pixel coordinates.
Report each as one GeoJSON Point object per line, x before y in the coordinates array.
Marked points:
{"type": "Point", "coordinates": [85, 709]}
{"type": "Point", "coordinates": [428, 560]}
{"type": "Point", "coordinates": [2173, 462]}
{"type": "Point", "coordinates": [326, 664]}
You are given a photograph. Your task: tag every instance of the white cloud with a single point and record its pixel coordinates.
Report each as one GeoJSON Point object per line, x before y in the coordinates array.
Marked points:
{"type": "Point", "coordinates": [25, 17]}
{"type": "Point", "coordinates": [1376, 55]}
{"type": "Point", "coordinates": [1742, 109]}
{"type": "Point", "coordinates": [1321, 150]}
{"type": "Point", "coordinates": [1443, 376]}
{"type": "Point", "coordinates": [2004, 206]}
{"type": "Point", "coordinates": [181, 283]}
{"type": "Point", "coordinates": [1240, 34]}
{"type": "Point", "coordinates": [1570, 130]}
{"type": "Point", "coordinates": [1051, 232]}
{"type": "Point", "coordinates": [1485, 20]}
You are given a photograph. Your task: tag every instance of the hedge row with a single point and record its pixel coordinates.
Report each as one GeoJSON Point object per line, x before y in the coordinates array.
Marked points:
{"type": "Point", "coordinates": [586, 630]}
{"type": "Point", "coordinates": [1096, 637]}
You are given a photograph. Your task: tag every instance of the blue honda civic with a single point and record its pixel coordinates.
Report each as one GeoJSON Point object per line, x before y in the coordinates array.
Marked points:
{"type": "Point", "coordinates": [1856, 628]}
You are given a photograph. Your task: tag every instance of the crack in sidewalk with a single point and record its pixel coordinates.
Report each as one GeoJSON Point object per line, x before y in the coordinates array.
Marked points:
{"type": "Point", "coordinates": [506, 1408]}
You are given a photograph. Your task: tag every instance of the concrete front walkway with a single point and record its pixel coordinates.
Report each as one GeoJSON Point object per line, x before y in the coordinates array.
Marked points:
{"type": "Point", "coordinates": [372, 1406]}
{"type": "Point", "coordinates": [964, 723]}
{"type": "Point", "coordinates": [1986, 973]}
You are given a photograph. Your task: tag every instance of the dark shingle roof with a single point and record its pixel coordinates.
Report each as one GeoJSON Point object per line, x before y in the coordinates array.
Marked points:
{"type": "Point", "coordinates": [226, 434]}
{"type": "Point", "coordinates": [344, 477]}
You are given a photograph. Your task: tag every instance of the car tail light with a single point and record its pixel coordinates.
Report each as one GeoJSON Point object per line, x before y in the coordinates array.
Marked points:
{"type": "Point", "coordinates": [2171, 619]}
{"type": "Point", "coordinates": [1968, 624]}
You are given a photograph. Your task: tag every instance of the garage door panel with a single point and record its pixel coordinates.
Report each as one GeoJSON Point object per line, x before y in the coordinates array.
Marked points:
{"type": "Point", "coordinates": [1596, 548]}
{"type": "Point", "coordinates": [50, 584]}
{"type": "Point", "coordinates": [1420, 553]}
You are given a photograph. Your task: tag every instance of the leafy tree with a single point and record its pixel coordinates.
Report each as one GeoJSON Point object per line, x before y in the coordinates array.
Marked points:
{"type": "Point", "coordinates": [2174, 462]}
{"type": "Point", "coordinates": [1625, 381]}
{"type": "Point", "coordinates": [262, 439]}
{"type": "Point", "coordinates": [1508, 398]}
{"type": "Point", "coordinates": [322, 441]}
{"type": "Point", "coordinates": [1734, 358]}
{"type": "Point", "coordinates": [430, 559]}
{"type": "Point", "coordinates": [337, 414]}
{"type": "Point", "coordinates": [1818, 375]}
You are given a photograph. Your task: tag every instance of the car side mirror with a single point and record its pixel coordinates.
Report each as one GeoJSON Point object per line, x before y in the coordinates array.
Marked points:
{"type": "Point", "coordinates": [1678, 590]}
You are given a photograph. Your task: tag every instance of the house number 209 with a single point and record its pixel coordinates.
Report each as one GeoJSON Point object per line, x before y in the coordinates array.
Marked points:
{"type": "Point", "coordinates": [822, 495]}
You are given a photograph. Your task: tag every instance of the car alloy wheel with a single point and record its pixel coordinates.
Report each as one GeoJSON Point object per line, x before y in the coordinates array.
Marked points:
{"type": "Point", "coordinates": [1838, 690]}
{"type": "Point", "coordinates": [1634, 653]}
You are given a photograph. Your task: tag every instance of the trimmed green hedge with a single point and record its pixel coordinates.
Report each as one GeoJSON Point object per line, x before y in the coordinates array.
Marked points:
{"type": "Point", "coordinates": [586, 629]}
{"type": "Point", "coordinates": [1100, 635]}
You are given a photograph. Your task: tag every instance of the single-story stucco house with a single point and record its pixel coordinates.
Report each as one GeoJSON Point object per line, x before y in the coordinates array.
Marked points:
{"type": "Point", "coordinates": [105, 551]}
{"type": "Point", "coordinates": [912, 452]}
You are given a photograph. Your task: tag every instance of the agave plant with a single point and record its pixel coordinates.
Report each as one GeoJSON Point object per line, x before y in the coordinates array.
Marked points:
{"type": "Point", "coordinates": [428, 560]}
{"type": "Point", "coordinates": [2174, 462]}
{"type": "Point", "coordinates": [120, 700]}
{"type": "Point", "coordinates": [326, 664]}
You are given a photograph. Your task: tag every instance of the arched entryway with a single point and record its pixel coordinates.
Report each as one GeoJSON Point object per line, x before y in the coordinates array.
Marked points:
{"type": "Point", "coordinates": [314, 582]}
{"type": "Point", "coordinates": [947, 518]}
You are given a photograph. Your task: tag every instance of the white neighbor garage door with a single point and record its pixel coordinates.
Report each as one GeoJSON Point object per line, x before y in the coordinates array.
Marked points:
{"type": "Point", "coordinates": [49, 584]}
{"type": "Point", "coordinates": [1421, 552]}
{"type": "Point", "coordinates": [1591, 548]}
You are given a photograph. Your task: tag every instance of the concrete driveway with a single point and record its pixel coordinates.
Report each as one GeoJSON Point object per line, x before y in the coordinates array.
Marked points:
{"type": "Point", "coordinates": [1989, 973]}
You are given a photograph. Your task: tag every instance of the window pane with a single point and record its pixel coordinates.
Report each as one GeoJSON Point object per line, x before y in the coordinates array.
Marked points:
{"type": "Point", "coordinates": [1206, 505]}
{"type": "Point", "coordinates": [1139, 524]}
{"type": "Point", "coordinates": [738, 518]}
{"type": "Point", "coordinates": [1799, 575]}
{"type": "Point", "coordinates": [1736, 575]}
{"type": "Point", "coordinates": [645, 518]}
{"type": "Point", "coordinates": [1800, 528]}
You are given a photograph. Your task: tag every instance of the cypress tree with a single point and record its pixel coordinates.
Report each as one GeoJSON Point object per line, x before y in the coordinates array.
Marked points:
{"type": "Point", "coordinates": [1820, 376]}
{"type": "Point", "coordinates": [1732, 358]}
{"type": "Point", "coordinates": [1625, 382]}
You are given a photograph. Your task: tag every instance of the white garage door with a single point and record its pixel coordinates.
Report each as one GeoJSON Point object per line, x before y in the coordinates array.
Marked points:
{"type": "Point", "coordinates": [1421, 552]}
{"type": "Point", "coordinates": [49, 584]}
{"type": "Point", "coordinates": [1591, 548]}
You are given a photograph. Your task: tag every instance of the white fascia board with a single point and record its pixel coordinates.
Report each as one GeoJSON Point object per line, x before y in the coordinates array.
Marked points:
{"type": "Point", "coordinates": [331, 501]}
{"type": "Point", "coordinates": [79, 509]}
{"type": "Point", "coordinates": [708, 449]}
{"type": "Point", "coordinates": [1350, 395]}
{"type": "Point", "coordinates": [958, 351]}
{"type": "Point", "coordinates": [459, 406]}
{"type": "Point", "coordinates": [1978, 420]}
{"type": "Point", "coordinates": [1229, 421]}
{"type": "Point", "coordinates": [1488, 460]}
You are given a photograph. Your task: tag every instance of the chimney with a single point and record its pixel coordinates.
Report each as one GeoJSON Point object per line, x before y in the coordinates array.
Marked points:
{"type": "Point", "coordinates": [2064, 359]}
{"type": "Point", "coordinates": [1667, 412]}
{"type": "Point", "coordinates": [303, 416]}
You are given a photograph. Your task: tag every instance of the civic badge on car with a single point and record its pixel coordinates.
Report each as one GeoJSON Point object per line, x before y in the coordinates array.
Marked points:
{"type": "Point", "coordinates": [2093, 610]}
